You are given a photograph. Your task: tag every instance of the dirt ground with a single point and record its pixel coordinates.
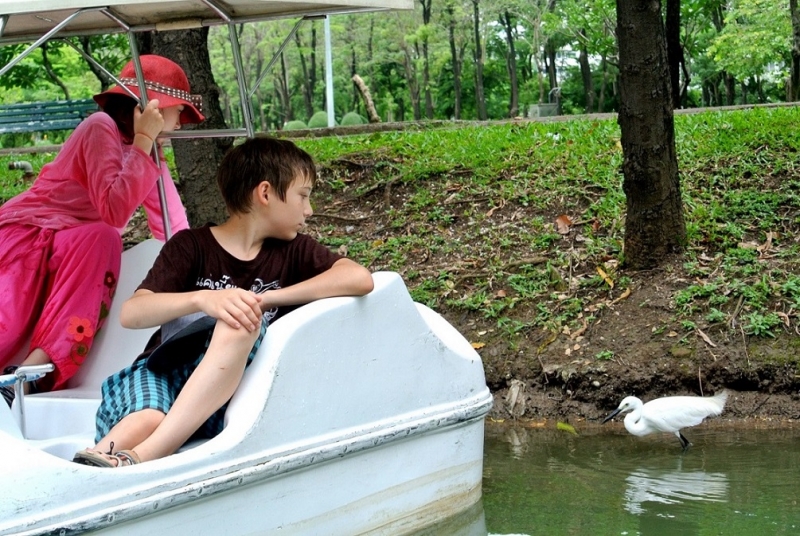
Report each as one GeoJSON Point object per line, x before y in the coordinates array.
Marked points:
{"type": "Point", "coordinates": [564, 381]}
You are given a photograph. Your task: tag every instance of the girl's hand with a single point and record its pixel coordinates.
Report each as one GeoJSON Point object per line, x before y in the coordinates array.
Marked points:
{"type": "Point", "coordinates": [149, 122]}
{"type": "Point", "coordinates": [234, 306]}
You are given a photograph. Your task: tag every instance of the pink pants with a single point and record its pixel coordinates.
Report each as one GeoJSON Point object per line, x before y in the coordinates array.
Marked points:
{"type": "Point", "coordinates": [56, 289]}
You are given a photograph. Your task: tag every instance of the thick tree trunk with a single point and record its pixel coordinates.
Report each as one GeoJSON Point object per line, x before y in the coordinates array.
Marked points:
{"type": "Point", "coordinates": [197, 159]}
{"type": "Point", "coordinates": [674, 49]}
{"type": "Point", "coordinates": [480, 99]}
{"type": "Point", "coordinates": [795, 75]}
{"type": "Point", "coordinates": [511, 64]}
{"type": "Point", "coordinates": [654, 224]}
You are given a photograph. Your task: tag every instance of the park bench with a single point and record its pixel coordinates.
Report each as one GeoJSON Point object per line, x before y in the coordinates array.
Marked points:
{"type": "Point", "coordinates": [43, 116]}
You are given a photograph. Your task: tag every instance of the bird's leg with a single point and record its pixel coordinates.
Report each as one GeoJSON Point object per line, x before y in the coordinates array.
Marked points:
{"type": "Point", "coordinates": [684, 442]}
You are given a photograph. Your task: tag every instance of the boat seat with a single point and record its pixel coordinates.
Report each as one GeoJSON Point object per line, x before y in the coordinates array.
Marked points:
{"type": "Point", "coordinates": [72, 410]}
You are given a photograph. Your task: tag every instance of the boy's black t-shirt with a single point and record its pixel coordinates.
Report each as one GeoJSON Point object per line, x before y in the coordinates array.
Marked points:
{"type": "Point", "coordinates": [193, 260]}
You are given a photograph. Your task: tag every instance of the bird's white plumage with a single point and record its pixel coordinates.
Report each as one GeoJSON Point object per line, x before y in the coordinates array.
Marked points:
{"type": "Point", "coordinates": [668, 414]}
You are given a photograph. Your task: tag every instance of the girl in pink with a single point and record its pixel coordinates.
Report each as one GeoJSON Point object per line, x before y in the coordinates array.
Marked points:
{"type": "Point", "coordinates": [60, 242]}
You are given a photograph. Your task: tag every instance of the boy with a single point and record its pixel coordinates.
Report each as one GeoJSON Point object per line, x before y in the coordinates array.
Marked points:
{"type": "Point", "coordinates": [214, 290]}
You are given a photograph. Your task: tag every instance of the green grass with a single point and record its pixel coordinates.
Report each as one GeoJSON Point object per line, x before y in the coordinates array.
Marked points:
{"type": "Point", "coordinates": [470, 213]}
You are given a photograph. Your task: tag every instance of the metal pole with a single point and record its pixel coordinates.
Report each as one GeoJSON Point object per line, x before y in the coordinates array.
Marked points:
{"type": "Point", "coordinates": [162, 194]}
{"type": "Point", "coordinates": [41, 40]}
{"type": "Point", "coordinates": [275, 58]}
{"type": "Point", "coordinates": [247, 109]}
{"type": "Point", "coordinates": [329, 73]}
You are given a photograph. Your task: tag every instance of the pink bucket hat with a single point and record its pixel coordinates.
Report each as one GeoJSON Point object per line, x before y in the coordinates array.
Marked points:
{"type": "Point", "coordinates": [165, 81]}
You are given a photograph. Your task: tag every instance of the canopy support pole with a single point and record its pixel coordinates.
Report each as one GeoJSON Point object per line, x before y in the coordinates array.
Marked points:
{"type": "Point", "coordinates": [57, 28]}
{"type": "Point", "coordinates": [162, 194]}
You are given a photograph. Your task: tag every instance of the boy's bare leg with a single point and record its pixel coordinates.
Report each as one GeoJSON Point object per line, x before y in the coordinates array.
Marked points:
{"type": "Point", "coordinates": [210, 386]}
{"type": "Point", "coordinates": [131, 430]}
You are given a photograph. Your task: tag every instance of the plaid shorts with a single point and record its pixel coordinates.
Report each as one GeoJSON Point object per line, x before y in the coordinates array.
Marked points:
{"type": "Point", "coordinates": [137, 388]}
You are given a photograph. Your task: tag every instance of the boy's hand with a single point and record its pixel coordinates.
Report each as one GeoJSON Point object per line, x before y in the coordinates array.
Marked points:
{"type": "Point", "coordinates": [234, 306]}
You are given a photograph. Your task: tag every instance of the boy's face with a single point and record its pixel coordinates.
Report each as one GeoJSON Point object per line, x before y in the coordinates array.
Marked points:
{"type": "Point", "coordinates": [288, 217]}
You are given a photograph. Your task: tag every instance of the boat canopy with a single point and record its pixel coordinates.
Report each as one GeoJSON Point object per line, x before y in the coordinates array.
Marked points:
{"type": "Point", "coordinates": [24, 21]}
{"type": "Point", "coordinates": [38, 21]}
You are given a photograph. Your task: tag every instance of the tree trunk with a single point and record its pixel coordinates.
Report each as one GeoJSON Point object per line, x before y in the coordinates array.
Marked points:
{"type": "Point", "coordinates": [197, 159]}
{"type": "Point", "coordinates": [674, 49]}
{"type": "Point", "coordinates": [308, 91]}
{"type": "Point", "coordinates": [552, 71]}
{"type": "Point", "coordinates": [795, 76]}
{"type": "Point", "coordinates": [456, 60]}
{"type": "Point", "coordinates": [601, 99]}
{"type": "Point", "coordinates": [411, 81]}
{"type": "Point", "coordinates": [354, 72]}
{"type": "Point", "coordinates": [426, 66]}
{"type": "Point", "coordinates": [586, 74]}
{"type": "Point", "coordinates": [654, 224]}
{"type": "Point", "coordinates": [51, 74]}
{"type": "Point", "coordinates": [511, 64]}
{"type": "Point", "coordinates": [105, 80]}
{"type": "Point", "coordinates": [283, 91]}
{"type": "Point", "coordinates": [480, 99]}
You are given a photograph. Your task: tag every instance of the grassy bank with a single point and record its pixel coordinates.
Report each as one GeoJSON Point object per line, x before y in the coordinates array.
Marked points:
{"type": "Point", "coordinates": [514, 232]}
{"type": "Point", "coordinates": [471, 217]}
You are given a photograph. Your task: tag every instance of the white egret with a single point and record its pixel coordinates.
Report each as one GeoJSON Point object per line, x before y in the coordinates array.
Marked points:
{"type": "Point", "coordinates": [668, 414]}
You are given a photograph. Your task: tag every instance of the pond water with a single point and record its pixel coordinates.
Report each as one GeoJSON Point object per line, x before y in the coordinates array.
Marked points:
{"type": "Point", "coordinates": [605, 481]}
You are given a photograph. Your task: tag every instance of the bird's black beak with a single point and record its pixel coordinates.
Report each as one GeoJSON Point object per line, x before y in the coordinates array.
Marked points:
{"type": "Point", "coordinates": [611, 415]}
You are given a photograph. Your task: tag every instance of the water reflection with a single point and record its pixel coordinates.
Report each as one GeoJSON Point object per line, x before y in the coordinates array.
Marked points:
{"type": "Point", "coordinates": [605, 481]}
{"type": "Point", "coordinates": [673, 487]}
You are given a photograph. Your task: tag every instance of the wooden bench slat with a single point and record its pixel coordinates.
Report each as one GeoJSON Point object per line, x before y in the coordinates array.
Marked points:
{"type": "Point", "coordinates": [42, 116]}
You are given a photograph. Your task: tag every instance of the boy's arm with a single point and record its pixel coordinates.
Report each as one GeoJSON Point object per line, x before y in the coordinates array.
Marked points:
{"type": "Point", "coordinates": [344, 278]}
{"type": "Point", "coordinates": [237, 307]}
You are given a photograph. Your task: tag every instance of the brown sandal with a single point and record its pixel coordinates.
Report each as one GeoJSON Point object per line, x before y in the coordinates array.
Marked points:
{"type": "Point", "coordinates": [95, 458]}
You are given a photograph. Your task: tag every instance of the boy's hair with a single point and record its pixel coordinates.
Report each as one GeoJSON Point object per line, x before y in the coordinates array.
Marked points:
{"type": "Point", "coordinates": [279, 162]}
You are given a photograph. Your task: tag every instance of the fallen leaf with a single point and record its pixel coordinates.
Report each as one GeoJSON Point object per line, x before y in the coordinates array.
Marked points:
{"type": "Point", "coordinates": [785, 318]}
{"type": "Point", "coordinates": [767, 245]}
{"type": "Point", "coordinates": [605, 277]}
{"type": "Point", "coordinates": [595, 225]}
{"type": "Point", "coordinates": [580, 331]}
{"type": "Point", "coordinates": [563, 224]}
{"type": "Point", "coordinates": [622, 296]}
{"type": "Point", "coordinates": [478, 345]}
{"type": "Point", "coordinates": [500, 293]}
{"type": "Point", "coordinates": [705, 338]}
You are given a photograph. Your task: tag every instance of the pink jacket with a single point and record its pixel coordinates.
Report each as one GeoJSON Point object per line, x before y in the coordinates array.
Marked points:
{"type": "Point", "coordinates": [94, 178]}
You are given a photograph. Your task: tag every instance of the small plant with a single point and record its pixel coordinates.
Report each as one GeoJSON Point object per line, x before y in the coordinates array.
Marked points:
{"type": "Point", "coordinates": [604, 355]}
{"type": "Point", "coordinates": [762, 325]}
{"type": "Point", "coordinates": [715, 315]}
